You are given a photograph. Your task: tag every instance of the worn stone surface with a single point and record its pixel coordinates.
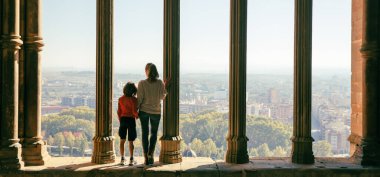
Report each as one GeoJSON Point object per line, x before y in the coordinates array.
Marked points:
{"type": "Point", "coordinates": [197, 167]}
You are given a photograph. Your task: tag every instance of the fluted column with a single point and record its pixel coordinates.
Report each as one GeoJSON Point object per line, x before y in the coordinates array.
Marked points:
{"type": "Point", "coordinates": [170, 140]}
{"type": "Point", "coordinates": [10, 150]}
{"type": "Point", "coordinates": [34, 150]}
{"type": "Point", "coordinates": [237, 139]}
{"type": "Point", "coordinates": [103, 151]}
{"type": "Point", "coordinates": [302, 151]}
{"type": "Point", "coordinates": [368, 151]}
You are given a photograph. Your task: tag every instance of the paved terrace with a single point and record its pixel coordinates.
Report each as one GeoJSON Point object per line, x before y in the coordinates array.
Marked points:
{"type": "Point", "coordinates": [196, 167]}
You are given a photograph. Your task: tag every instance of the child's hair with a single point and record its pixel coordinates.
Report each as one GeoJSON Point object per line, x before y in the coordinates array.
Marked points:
{"type": "Point", "coordinates": [129, 89]}
{"type": "Point", "coordinates": [152, 72]}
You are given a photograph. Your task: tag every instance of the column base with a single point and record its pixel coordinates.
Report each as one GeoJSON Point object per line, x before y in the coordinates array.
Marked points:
{"type": "Point", "coordinates": [367, 153]}
{"type": "Point", "coordinates": [103, 150]}
{"type": "Point", "coordinates": [237, 150]}
{"type": "Point", "coordinates": [302, 150]}
{"type": "Point", "coordinates": [354, 140]}
{"type": "Point", "coordinates": [34, 153]}
{"type": "Point", "coordinates": [10, 157]}
{"type": "Point", "coordinates": [171, 149]}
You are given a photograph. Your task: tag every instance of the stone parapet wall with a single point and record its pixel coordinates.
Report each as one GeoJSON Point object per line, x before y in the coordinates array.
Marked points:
{"type": "Point", "coordinates": [197, 167]}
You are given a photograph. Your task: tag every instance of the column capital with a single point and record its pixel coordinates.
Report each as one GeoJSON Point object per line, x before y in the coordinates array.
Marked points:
{"type": "Point", "coordinates": [35, 42]}
{"type": "Point", "coordinates": [11, 42]}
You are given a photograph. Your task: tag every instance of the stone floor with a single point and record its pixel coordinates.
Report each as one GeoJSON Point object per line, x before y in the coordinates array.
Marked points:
{"type": "Point", "coordinates": [196, 167]}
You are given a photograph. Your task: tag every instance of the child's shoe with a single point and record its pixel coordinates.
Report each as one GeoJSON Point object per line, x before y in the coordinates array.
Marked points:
{"type": "Point", "coordinates": [132, 162]}
{"type": "Point", "coordinates": [122, 162]}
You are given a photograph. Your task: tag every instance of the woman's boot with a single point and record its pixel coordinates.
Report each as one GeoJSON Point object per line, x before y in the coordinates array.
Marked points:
{"type": "Point", "coordinates": [150, 156]}
{"type": "Point", "coordinates": [146, 160]}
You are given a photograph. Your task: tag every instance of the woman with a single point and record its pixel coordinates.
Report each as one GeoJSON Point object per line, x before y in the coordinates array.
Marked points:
{"type": "Point", "coordinates": [150, 92]}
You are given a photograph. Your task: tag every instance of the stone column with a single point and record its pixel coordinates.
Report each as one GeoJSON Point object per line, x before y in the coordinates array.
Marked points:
{"type": "Point", "coordinates": [21, 79]}
{"type": "Point", "coordinates": [356, 76]}
{"type": "Point", "coordinates": [10, 150]}
{"type": "Point", "coordinates": [171, 140]}
{"type": "Point", "coordinates": [302, 151]}
{"type": "Point", "coordinates": [237, 139]}
{"type": "Point", "coordinates": [368, 151]}
{"type": "Point", "coordinates": [104, 141]}
{"type": "Point", "coordinates": [34, 150]}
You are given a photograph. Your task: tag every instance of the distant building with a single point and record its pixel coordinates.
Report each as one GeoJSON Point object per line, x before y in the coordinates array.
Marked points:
{"type": "Point", "coordinates": [51, 109]}
{"type": "Point", "coordinates": [91, 103]}
{"type": "Point", "coordinates": [336, 134]}
{"type": "Point", "coordinates": [265, 112]}
{"type": "Point", "coordinates": [79, 101]}
{"type": "Point", "coordinates": [192, 108]}
{"type": "Point", "coordinates": [273, 96]}
{"type": "Point", "coordinates": [282, 112]}
{"type": "Point", "coordinates": [220, 94]}
{"type": "Point", "coordinates": [67, 101]}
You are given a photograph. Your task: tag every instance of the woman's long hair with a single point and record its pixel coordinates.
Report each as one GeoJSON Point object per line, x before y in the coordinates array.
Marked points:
{"type": "Point", "coordinates": [152, 72]}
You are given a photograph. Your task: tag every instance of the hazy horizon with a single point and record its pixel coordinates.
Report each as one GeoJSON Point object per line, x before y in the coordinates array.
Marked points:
{"type": "Point", "coordinates": [279, 71]}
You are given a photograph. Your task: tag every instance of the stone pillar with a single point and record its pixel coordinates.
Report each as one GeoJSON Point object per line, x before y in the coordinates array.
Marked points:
{"type": "Point", "coordinates": [10, 150]}
{"type": "Point", "coordinates": [302, 151]}
{"type": "Point", "coordinates": [171, 140]}
{"type": "Point", "coordinates": [104, 141]}
{"type": "Point", "coordinates": [34, 150]}
{"type": "Point", "coordinates": [356, 76]}
{"type": "Point", "coordinates": [237, 139]}
{"type": "Point", "coordinates": [368, 151]}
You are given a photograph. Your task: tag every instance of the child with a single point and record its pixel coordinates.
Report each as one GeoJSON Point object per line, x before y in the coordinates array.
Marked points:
{"type": "Point", "coordinates": [127, 114]}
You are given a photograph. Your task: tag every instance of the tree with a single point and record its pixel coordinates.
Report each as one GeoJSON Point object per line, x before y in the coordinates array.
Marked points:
{"type": "Point", "coordinates": [69, 141]}
{"type": "Point", "coordinates": [50, 141]}
{"type": "Point", "coordinates": [322, 149]}
{"type": "Point", "coordinates": [82, 112]}
{"type": "Point", "coordinates": [220, 153]}
{"type": "Point", "coordinates": [209, 147]}
{"type": "Point", "coordinates": [59, 140]}
{"type": "Point", "coordinates": [253, 152]}
{"type": "Point", "coordinates": [183, 146]}
{"type": "Point", "coordinates": [279, 152]}
{"type": "Point", "coordinates": [263, 129]}
{"type": "Point", "coordinates": [83, 146]}
{"type": "Point", "coordinates": [263, 150]}
{"type": "Point", "coordinates": [197, 146]}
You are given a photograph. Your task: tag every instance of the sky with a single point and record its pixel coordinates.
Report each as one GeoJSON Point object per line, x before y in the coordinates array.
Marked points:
{"type": "Point", "coordinates": [69, 32]}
